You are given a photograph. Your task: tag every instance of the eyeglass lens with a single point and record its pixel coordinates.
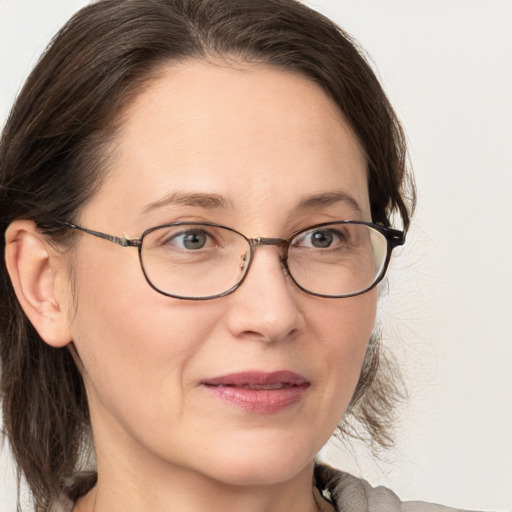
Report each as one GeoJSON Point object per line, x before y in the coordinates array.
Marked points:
{"type": "Point", "coordinates": [201, 261]}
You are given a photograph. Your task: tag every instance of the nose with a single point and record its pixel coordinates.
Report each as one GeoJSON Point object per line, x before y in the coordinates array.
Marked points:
{"type": "Point", "coordinates": [265, 306]}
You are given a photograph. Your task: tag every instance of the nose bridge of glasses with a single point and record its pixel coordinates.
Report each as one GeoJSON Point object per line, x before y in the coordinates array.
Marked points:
{"type": "Point", "coordinates": [279, 242]}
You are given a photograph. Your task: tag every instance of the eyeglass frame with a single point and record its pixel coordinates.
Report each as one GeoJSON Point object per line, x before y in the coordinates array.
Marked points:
{"type": "Point", "coordinates": [394, 238]}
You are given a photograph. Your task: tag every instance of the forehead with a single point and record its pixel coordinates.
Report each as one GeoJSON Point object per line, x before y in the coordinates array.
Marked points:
{"type": "Point", "coordinates": [258, 136]}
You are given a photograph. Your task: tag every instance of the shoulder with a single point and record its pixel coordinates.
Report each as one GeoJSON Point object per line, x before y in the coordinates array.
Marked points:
{"type": "Point", "coordinates": [355, 494]}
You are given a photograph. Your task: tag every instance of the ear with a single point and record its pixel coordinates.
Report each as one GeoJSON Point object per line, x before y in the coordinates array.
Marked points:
{"type": "Point", "coordinates": [33, 268]}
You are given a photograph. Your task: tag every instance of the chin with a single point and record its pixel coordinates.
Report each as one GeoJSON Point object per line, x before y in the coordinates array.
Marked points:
{"type": "Point", "coordinates": [249, 474]}
{"type": "Point", "coordinates": [266, 464]}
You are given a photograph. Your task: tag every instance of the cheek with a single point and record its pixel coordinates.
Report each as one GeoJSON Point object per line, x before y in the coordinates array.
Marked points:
{"type": "Point", "coordinates": [345, 325]}
{"type": "Point", "coordinates": [134, 342]}
{"type": "Point", "coordinates": [343, 330]}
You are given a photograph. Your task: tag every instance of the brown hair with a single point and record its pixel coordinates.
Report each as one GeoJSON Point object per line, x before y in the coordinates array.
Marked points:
{"type": "Point", "coordinates": [52, 154]}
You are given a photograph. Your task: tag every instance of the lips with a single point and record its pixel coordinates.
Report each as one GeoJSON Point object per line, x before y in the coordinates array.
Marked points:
{"type": "Point", "coordinates": [258, 392]}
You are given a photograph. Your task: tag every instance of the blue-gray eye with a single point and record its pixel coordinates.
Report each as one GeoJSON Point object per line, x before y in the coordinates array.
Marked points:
{"type": "Point", "coordinates": [190, 240]}
{"type": "Point", "coordinates": [322, 238]}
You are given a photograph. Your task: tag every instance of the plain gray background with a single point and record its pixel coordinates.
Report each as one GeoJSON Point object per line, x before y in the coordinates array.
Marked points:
{"type": "Point", "coordinates": [447, 67]}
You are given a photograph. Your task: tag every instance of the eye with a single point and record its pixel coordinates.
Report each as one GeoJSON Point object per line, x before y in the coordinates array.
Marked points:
{"type": "Point", "coordinates": [319, 238]}
{"type": "Point", "coordinates": [190, 240]}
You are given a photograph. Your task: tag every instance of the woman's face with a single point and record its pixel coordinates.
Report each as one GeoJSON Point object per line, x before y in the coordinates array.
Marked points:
{"type": "Point", "coordinates": [245, 147]}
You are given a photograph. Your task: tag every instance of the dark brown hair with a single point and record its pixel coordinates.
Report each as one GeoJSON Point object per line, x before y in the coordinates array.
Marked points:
{"type": "Point", "coordinates": [52, 159]}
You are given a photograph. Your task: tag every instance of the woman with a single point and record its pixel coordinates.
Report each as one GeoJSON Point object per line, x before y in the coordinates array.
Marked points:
{"type": "Point", "coordinates": [196, 198]}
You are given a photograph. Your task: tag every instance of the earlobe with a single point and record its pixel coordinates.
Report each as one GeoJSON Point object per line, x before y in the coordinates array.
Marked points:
{"type": "Point", "coordinates": [34, 275]}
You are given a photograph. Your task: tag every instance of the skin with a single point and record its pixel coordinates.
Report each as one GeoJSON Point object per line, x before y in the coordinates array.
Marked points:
{"type": "Point", "coordinates": [263, 139]}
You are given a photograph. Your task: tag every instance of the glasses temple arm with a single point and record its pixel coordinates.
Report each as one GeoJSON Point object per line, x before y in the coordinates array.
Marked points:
{"type": "Point", "coordinates": [395, 237]}
{"type": "Point", "coordinates": [123, 242]}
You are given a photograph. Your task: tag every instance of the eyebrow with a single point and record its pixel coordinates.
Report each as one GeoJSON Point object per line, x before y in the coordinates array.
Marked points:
{"type": "Point", "coordinates": [199, 199]}
{"type": "Point", "coordinates": [327, 199]}
{"type": "Point", "coordinates": [216, 201]}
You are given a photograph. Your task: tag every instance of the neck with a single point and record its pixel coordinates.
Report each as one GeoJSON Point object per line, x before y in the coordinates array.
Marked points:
{"type": "Point", "coordinates": [190, 493]}
{"type": "Point", "coordinates": [131, 479]}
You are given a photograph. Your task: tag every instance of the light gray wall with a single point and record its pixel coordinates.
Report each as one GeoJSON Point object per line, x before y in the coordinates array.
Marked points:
{"type": "Point", "coordinates": [447, 66]}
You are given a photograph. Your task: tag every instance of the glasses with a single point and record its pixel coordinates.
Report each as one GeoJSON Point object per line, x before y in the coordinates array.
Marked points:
{"type": "Point", "coordinates": [199, 261]}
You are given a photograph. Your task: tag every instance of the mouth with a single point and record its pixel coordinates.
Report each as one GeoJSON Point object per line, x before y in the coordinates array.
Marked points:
{"type": "Point", "coordinates": [258, 392]}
